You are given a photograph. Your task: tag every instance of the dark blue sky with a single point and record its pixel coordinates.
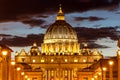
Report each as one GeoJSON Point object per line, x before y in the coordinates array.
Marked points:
{"type": "Point", "coordinates": [18, 19]}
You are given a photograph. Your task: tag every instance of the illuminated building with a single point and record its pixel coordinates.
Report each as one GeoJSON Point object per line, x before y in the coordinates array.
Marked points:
{"type": "Point", "coordinates": [60, 58]}
{"type": "Point", "coordinates": [5, 60]}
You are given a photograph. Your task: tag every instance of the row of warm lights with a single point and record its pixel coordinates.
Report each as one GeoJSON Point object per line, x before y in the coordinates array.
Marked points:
{"type": "Point", "coordinates": [96, 76]}
{"type": "Point", "coordinates": [18, 69]}
{"type": "Point", "coordinates": [104, 69]}
{"type": "Point", "coordinates": [23, 73]}
{"type": "Point", "coordinates": [52, 60]}
{"type": "Point", "coordinates": [25, 76]}
{"type": "Point", "coordinates": [110, 63]}
{"type": "Point", "coordinates": [4, 53]}
{"type": "Point", "coordinates": [99, 74]}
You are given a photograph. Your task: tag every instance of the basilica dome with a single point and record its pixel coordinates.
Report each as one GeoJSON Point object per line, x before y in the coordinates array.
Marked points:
{"type": "Point", "coordinates": [60, 38]}
{"type": "Point", "coordinates": [60, 31]}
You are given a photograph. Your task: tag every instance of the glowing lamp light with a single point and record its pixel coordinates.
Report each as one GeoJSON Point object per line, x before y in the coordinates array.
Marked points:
{"type": "Point", "coordinates": [118, 52]}
{"type": "Point", "coordinates": [28, 79]}
{"type": "Point", "coordinates": [111, 62]}
{"type": "Point", "coordinates": [92, 79]}
{"type": "Point", "coordinates": [84, 60]}
{"type": "Point", "coordinates": [4, 53]}
{"type": "Point", "coordinates": [75, 60]}
{"type": "Point", "coordinates": [99, 73]}
{"type": "Point", "coordinates": [18, 68]}
{"type": "Point", "coordinates": [26, 76]}
{"type": "Point", "coordinates": [66, 60]}
{"type": "Point", "coordinates": [13, 63]}
{"type": "Point", "coordinates": [104, 68]}
{"type": "Point", "coordinates": [33, 60]}
{"type": "Point", "coordinates": [52, 60]}
{"type": "Point", "coordinates": [42, 60]}
{"type": "Point", "coordinates": [95, 76]}
{"type": "Point", "coordinates": [22, 73]}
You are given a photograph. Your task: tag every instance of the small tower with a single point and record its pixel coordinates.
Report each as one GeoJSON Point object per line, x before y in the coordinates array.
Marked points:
{"type": "Point", "coordinates": [34, 51]}
{"type": "Point", "coordinates": [60, 15]}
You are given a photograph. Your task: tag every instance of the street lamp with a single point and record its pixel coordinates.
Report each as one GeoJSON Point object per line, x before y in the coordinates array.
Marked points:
{"type": "Point", "coordinates": [95, 77]}
{"type": "Point", "coordinates": [104, 68]}
{"type": "Point", "coordinates": [18, 68]}
{"type": "Point", "coordinates": [22, 73]}
{"type": "Point", "coordinates": [5, 63]}
{"type": "Point", "coordinates": [110, 63]}
{"type": "Point", "coordinates": [13, 63]}
{"type": "Point", "coordinates": [92, 79]}
{"type": "Point", "coordinates": [4, 53]}
{"type": "Point", "coordinates": [99, 73]}
{"type": "Point", "coordinates": [111, 70]}
{"type": "Point", "coordinates": [118, 52]}
{"type": "Point", "coordinates": [104, 73]}
{"type": "Point", "coordinates": [26, 76]}
{"type": "Point", "coordinates": [12, 69]}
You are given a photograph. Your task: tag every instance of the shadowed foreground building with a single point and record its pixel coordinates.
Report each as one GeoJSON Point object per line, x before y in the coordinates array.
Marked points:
{"type": "Point", "coordinates": [60, 58]}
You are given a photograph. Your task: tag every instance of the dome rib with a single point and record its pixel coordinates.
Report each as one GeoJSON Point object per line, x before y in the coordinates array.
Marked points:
{"type": "Point", "coordinates": [60, 30]}
{"type": "Point", "coordinates": [60, 38]}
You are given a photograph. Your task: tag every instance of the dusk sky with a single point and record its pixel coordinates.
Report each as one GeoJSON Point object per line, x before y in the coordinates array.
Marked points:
{"type": "Point", "coordinates": [97, 22]}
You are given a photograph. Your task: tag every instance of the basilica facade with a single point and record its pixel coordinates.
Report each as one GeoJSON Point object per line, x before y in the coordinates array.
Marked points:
{"type": "Point", "coordinates": [60, 58]}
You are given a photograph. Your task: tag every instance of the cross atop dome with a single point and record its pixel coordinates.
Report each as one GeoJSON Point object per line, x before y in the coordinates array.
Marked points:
{"type": "Point", "coordinates": [34, 44]}
{"type": "Point", "coordinates": [60, 15]}
{"type": "Point", "coordinates": [60, 9]}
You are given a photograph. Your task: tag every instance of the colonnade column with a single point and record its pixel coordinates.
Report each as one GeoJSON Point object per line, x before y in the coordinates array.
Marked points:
{"type": "Point", "coordinates": [104, 73]}
{"type": "Point", "coordinates": [69, 75]}
{"type": "Point", "coordinates": [111, 70]}
{"type": "Point", "coordinates": [118, 57]}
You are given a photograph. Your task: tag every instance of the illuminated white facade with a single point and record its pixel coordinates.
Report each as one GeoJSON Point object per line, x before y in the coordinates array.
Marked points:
{"type": "Point", "coordinates": [61, 57]}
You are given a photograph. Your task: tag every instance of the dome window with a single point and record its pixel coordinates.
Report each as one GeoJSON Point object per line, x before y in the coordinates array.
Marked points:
{"type": "Point", "coordinates": [75, 60]}
{"type": "Point", "coordinates": [42, 60]}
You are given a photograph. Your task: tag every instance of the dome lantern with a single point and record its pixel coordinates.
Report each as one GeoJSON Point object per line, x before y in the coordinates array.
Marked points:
{"type": "Point", "coordinates": [60, 15]}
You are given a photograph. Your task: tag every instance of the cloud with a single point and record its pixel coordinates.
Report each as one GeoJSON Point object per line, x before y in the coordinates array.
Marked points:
{"type": "Point", "coordinates": [89, 35]}
{"type": "Point", "coordinates": [45, 26]}
{"type": "Point", "coordinates": [23, 41]}
{"type": "Point", "coordinates": [92, 44]}
{"type": "Point", "coordinates": [34, 22]}
{"type": "Point", "coordinates": [12, 9]}
{"type": "Point", "coordinates": [5, 36]}
{"type": "Point", "coordinates": [91, 18]}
